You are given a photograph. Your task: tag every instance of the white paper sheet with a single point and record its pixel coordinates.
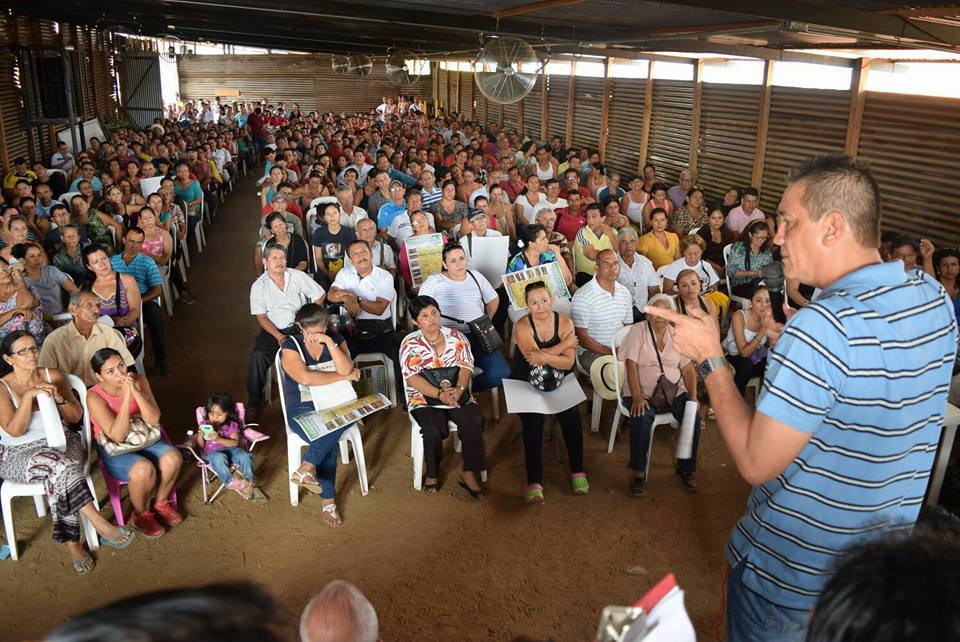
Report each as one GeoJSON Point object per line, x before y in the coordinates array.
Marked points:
{"type": "Point", "coordinates": [522, 397]}
{"type": "Point", "coordinates": [91, 129]}
{"type": "Point", "coordinates": [685, 441]}
{"type": "Point", "coordinates": [488, 256]}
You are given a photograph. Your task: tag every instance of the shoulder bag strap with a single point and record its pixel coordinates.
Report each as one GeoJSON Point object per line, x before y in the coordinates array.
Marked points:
{"type": "Point", "coordinates": [482, 304]}
{"type": "Point", "coordinates": [653, 337]}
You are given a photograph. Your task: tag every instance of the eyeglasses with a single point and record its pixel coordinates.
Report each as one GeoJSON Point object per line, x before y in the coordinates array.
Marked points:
{"type": "Point", "coordinates": [24, 352]}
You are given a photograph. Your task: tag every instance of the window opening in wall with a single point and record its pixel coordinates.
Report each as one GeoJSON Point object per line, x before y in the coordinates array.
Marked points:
{"type": "Point", "coordinates": [733, 72]}
{"type": "Point", "coordinates": [923, 78]}
{"type": "Point", "coordinates": [811, 76]}
{"type": "Point", "coordinates": [673, 71]}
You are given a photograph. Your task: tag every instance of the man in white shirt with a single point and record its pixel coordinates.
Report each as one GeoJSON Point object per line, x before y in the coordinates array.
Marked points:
{"type": "Point", "coordinates": [383, 255]}
{"type": "Point", "coordinates": [368, 295]}
{"type": "Point", "coordinates": [599, 308]}
{"type": "Point", "coordinates": [275, 298]}
{"type": "Point", "coordinates": [350, 214]}
{"type": "Point", "coordinates": [62, 158]}
{"type": "Point", "coordinates": [637, 273]}
{"type": "Point", "coordinates": [479, 227]}
{"type": "Point", "coordinates": [360, 164]}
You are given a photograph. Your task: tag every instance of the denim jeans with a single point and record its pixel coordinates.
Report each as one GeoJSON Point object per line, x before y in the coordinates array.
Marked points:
{"type": "Point", "coordinates": [494, 366]}
{"type": "Point", "coordinates": [753, 618]}
{"type": "Point", "coordinates": [640, 435]}
{"type": "Point", "coordinates": [221, 459]}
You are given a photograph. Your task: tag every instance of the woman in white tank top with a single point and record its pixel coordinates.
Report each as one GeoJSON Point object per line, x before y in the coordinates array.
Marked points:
{"type": "Point", "coordinates": [633, 201]}
{"type": "Point", "coordinates": [26, 458]}
{"type": "Point", "coordinates": [747, 343]}
{"type": "Point", "coordinates": [529, 202]}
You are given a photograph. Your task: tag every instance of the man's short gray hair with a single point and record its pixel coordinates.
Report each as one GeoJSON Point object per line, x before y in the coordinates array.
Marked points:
{"type": "Point", "coordinates": [340, 611]}
{"type": "Point", "coordinates": [77, 296]}
{"type": "Point", "coordinates": [686, 174]}
{"type": "Point", "coordinates": [344, 188]}
{"type": "Point", "coordinates": [625, 231]}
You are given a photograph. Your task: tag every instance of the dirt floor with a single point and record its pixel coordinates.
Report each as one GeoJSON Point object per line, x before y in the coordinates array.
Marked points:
{"type": "Point", "coordinates": [436, 567]}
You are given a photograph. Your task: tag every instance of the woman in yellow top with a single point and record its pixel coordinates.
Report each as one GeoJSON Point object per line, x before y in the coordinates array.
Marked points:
{"type": "Point", "coordinates": [659, 245]}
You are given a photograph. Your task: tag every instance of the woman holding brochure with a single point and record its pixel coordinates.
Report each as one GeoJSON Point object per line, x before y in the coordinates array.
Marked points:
{"type": "Point", "coordinates": [659, 379]}
{"type": "Point", "coordinates": [437, 365]}
{"type": "Point", "coordinates": [311, 357]}
{"type": "Point", "coordinates": [547, 344]}
{"type": "Point", "coordinates": [537, 250]}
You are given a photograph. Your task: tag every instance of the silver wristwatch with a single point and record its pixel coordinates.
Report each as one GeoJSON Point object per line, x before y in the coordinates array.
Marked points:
{"type": "Point", "coordinates": [708, 366]}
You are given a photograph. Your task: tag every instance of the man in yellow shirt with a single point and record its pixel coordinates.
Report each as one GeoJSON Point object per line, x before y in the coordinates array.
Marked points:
{"type": "Point", "coordinates": [20, 171]}
{"type": "Point", "coordinates": [592, 239]}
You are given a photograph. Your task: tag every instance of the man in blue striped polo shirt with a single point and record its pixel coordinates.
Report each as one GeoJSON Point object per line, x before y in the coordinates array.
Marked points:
{"type": "Point", "coordinates": [145, 272]}
{"type": "Point", "coordinates": [847, 424]}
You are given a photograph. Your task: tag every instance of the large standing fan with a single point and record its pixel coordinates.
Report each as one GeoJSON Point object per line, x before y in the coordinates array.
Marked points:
{"type": "Point", "coordinates": [340, 64]}
{"type": "Point", "coordinates": [499, 70]}
{"type": "Point", "coordinates": [402, 71]}
{"type": "Point", "coordinates": [170, 47]}
{"type": "Point", "coordinates": [360, 65]}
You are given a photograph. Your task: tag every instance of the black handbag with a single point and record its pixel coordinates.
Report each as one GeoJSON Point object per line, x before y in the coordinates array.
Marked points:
{"type": "Point", "coordinates": [444, 378]}
{"type": "Point", "coordinates": [367, 329]}
{"type": "Point", "coordinates": [481, 327]}
{"type": "Point", "coordinates": [665, 391]}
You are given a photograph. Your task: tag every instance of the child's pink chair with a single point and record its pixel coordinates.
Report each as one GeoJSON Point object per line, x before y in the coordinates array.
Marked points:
{"type": "Point", "coordinates": [250, 439]}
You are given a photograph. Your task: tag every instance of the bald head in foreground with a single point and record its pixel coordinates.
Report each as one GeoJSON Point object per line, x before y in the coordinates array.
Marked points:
{"type": "Point", "coordinates": [339, 613]}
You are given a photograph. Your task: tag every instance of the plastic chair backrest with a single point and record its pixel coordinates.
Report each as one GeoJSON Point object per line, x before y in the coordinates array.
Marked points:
{"type": "Point", "coordinates": [618, 338]}
{"type": "Point", "coordinates": [695, 230]}
{"type": "Point", "coordinates": [66, 196]}
{"type": "Point", "coordinates": [52, 426]}
{"type": "Point", "coordinates": [86, 436]}
{"type": "Point", "coordinates": [726, 258]}
{"type": "Point", "coordinates": [150, 185]}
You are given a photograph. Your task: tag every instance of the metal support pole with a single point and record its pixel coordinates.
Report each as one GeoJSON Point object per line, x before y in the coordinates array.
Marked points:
{"type": "Point", "coordinates": [68, 88]}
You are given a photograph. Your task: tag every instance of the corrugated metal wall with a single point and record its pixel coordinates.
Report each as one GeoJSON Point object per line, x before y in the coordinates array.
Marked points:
{"type": "Point", "coordinates": [467, 91]}
{"type": "Point", "coordinates": [728, 132]}
{"type": "Point", "coordinates": [532, 110]}
{"type": "Point", "coordinates": [140, 88]}
{"type": "Point", "coordinates": [803, 123]}
{"type": "Point", "coordinates": [305, 79]}
{"type": "Point", "coordinates": [557, 101]}
{"type": "Point", "coordinates": [625, 121]}
{"type": "Point", "coordinates": [913, 146]}
{"type": "Point", "coordinates": [510, 112]}
{"type": "Point", "coordinates": [94, 73]}
{"type": "Point", "coordinates": [587, 101]}
{"type": "Point", "coordinates": [442, 94]}
{"type": "Point", "coordinates": [670, 127]}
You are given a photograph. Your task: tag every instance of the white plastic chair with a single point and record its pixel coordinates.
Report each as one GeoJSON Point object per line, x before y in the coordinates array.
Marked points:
{"type": "Point", "coordinates": [56, 438]}
{"type": "Point", "coordinates": [295, 444]}
{"type": "Point", "coordinates": [416, 450]}
{"type": "Point", "coordinates": [150, 185]}
{"type": "Point", "coordinates": [61, 173]}
{"type": "Point", "coordinates": [143, 341]}
{"type": "Point", "coordinates": [383, 358]}
{"type": "Point", "coordinates": [65, 198]}
{"type": "Point", "coordinates": [695, 230]}
{"type": "Point", "coordinates": [200, 237]}
{"type": "Point", "coordinates": [662, 418]}
{"type": "Point", "coordinates": [744, 303]}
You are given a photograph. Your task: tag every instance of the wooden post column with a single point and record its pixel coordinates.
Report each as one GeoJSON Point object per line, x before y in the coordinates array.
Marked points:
{"type": "Point", "coordinates": [695, 116]}
{"type": "Point", "coordinates": [605, 111]}
{"type": "Point", "coordinates": [858, 97]}
{"type": "Point", "coordinates": [647, 115]}
{"type": "Point", "coordinates": [763, 125]}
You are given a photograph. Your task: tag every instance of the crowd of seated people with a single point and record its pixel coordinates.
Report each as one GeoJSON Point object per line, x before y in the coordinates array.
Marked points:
{"type": "Point", "coordinates": [341, 198]}
{"type": "Point", "coordinates": [91, 241]}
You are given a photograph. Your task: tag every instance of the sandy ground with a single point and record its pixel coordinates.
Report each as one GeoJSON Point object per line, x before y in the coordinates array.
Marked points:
{"type": "Point", "coordinates": [436, 567]}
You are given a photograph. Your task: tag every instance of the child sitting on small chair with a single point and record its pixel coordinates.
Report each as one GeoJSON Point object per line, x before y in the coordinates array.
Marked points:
{"type": "Point", "coordinates": [219, 438]}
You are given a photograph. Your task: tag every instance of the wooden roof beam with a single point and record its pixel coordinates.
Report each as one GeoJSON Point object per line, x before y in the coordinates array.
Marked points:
{"type": "Point", "coordinates": [532, 7]}
{"type": "Point", "coordinates": [831, 15]}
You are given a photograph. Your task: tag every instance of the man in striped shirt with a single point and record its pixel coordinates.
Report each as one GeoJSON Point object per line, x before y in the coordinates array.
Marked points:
{"type": "Point", "coordinates": [847, 425]}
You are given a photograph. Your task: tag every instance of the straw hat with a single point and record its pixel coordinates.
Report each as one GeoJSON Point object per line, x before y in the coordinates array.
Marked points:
{"type": "Point", "coordinates": [601, 376]}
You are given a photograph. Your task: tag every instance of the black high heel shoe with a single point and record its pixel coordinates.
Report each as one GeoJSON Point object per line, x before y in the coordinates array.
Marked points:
{"type": "Point", "coordinates": [476, 494]}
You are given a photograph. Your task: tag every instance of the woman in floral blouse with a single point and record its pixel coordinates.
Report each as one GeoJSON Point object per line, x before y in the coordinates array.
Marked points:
{"type": "Point", "coordinates": [437, 365]}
